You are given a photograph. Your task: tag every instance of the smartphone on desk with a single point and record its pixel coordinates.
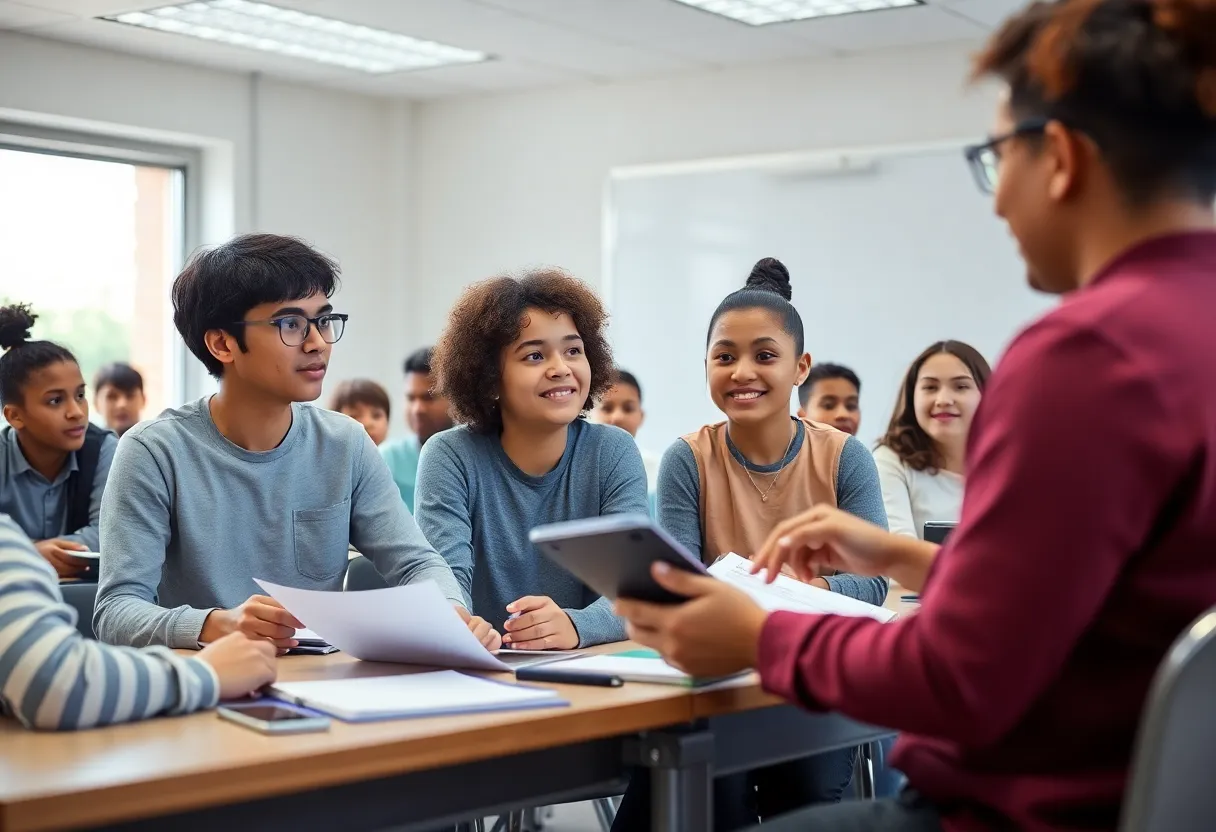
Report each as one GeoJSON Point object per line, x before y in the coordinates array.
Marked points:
{"type": "Point", "coordinates": [270, 717]}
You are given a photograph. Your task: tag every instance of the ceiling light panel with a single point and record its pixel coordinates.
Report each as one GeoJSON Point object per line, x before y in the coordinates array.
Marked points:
{"type": "Point", "coordinates": [764, 12]}
{"type": "Point", "coordinates": [308, 37]}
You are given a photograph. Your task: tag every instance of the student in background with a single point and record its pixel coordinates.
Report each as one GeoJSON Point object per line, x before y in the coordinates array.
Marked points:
{"type": "Point", "coordinates": [53, 462]}
{"type": "Point", "coordinates": [250, 482]}
{"type": "Point", "coordinates": [367, 403]}
{"type": "Point", "coordinates": [921, 458]}
{"type": "Point", "coordinates": [831, 395]}
{"type": "Point", "coordinates": [621, 406]}
{"type": "Point", "coordinates": [522, 360]}
{"type": "Point", "coordinates": [118, 394]}
{"type": "Point", "coordinates": [1085, 544]}
{"type": "Point", "coordinates": [426, 414]}
{"type": "Point", "coordinates": [727, 486]}
{"type": "Point", "coordinates": [51, 677]}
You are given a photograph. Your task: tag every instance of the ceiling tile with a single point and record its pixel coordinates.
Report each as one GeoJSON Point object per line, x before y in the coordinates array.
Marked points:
{"type": "Point", "coordinates": [668, 26]}
{"type": "Point", "coordinates": [988, 12]}
{"type": "Point", "coordinates": [94, 8]}
{"type": "Point", "coordinates": [490, 76]}
{"type": "Point", "coordinates": [21, 16]}
{"type": "Point", "coordinates": [504, 33]}
{"type": "Point", "coordinates": [882, 29]}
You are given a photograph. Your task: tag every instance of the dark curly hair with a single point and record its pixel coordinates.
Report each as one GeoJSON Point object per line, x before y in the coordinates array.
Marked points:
{"type": "Point", "coordinates": [904, 435]}
{"type": "Point", "coordinates": [21, 357]}
{"type": "Point", "coordinates": [467, 362]}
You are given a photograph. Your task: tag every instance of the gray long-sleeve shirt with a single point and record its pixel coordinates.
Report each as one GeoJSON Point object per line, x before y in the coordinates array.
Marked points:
{"type": "Point", "coordinates": [40, 506]}
{"type": "Point", "coordinates": [477, 507]}
{"type": "Point", "coordinates": [189, 520]}
{"type": "Point", "coordinates": [53, 677]}
{"type": "Point", "coordinates": [857, 492]}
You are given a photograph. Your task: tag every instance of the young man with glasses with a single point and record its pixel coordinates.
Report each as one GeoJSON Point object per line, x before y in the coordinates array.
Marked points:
{"type": "Point", "coordinates": [250, 483]}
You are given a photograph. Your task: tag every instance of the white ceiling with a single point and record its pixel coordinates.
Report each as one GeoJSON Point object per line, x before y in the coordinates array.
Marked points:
{"type": "Point", "coordinates": [535, 43]}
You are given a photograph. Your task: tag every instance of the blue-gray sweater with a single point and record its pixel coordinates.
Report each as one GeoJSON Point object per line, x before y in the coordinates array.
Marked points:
{"type": "Point", "coordinates": [476, 508]}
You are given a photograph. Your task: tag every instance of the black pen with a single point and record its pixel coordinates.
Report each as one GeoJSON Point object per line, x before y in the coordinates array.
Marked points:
{"type": "Point", "coordinates": [567, 677]}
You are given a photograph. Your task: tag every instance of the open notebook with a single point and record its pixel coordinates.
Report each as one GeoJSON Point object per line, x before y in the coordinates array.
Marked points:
{"type": "Point", "coordinates": [412, 695]}
{"type": "Point", "coordinates": [636, 666]}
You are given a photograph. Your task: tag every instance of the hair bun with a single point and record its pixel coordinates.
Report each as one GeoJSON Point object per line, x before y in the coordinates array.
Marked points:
{"type": "Point", "coordinates": [771, 275]}
{"type": "Point", "coordinates": [16, 321]}
{"type": "Point", "coordinates": [1192, 24]}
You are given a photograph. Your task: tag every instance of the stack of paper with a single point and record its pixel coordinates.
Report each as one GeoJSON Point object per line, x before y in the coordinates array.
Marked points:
{"type": "Point", "coordinates": [412, 624]}
{"type": "Point", "coordinates": [786, 593]}
{"type": "Point", "coordinates": [412, 694]}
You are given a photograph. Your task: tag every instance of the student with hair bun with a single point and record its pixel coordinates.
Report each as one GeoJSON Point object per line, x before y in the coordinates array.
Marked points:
{"type": "Point", "coordinates": [726, 487]}
{"type": "Point", "coordinates": [53, 462]}
{"type": "Point", "coordinates": [1088, 525]}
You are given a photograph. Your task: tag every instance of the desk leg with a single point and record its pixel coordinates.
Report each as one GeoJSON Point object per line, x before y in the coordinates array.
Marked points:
{"type": "Point", "coordinates": [681, 778]}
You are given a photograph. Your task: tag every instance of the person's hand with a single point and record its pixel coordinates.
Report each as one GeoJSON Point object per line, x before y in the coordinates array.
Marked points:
{"type": "Point", "coordinates": [259, 617]}
{"type": "Point", "coordinates": [828, 537]}
{"type": "Point", "coordinates": [58, 553]}
{"type": "Point", "coordinates": [243, 664]}
{"type": "Point", "coordinates": [714, 633]}
{"type": "Point", "coordinates": [487, 635]}
{"type": "Point", "coordinates": [537, 623]}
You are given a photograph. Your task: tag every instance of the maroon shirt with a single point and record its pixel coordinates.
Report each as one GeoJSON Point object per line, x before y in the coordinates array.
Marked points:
{"type": "Point", "coordinates": [1087, 543]}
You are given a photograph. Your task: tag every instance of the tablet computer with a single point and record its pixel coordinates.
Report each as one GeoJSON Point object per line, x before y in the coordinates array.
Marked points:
{"type": "Point", "coordinates": [612, 555]}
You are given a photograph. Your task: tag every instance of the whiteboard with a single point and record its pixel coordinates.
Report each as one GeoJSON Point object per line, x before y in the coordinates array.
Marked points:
{"type": "Point", "coordinates": [887, 257]}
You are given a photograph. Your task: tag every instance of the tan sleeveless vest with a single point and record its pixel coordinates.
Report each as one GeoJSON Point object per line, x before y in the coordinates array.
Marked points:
{"type": "Point", "coordinates": [733, 517]}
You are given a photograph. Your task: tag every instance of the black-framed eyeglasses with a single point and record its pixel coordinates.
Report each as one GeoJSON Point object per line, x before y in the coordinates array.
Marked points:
{"type": "Point", "coordinates": [985, 159]}
{"type": "Point", "coordinates": [294, 329]}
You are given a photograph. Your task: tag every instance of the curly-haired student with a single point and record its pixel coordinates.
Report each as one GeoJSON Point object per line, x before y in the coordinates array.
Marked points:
{"type": "Point", "coordinates": [521, 362]}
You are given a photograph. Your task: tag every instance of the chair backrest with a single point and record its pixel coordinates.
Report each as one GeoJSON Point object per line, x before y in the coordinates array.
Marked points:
{"type": "Point", "coordinates": [1171, 779]}
{"type": "Point", "coordinates": [82, 597]}
{"type": "Point", "coordinates": [361, 574]}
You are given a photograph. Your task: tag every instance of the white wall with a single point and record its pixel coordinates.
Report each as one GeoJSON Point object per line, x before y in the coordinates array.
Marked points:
{"type": "Point", "coordinates": [330, 167]}
{"type": "Point", "coordinates": [513, 180]}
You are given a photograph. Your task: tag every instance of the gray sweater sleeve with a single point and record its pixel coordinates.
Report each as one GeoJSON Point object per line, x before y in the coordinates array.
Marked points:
{"type": "Point", "coordinates": [623, 492]}
{"type": "Point", "coordinates": [859, 493]}
{"type": "Point", "coordinates": [382, 528]}
{"type": "Point", "coordinates": [135, 532]}
{"type": "Point", "coordinates": [679, 497]}
{"type": "Point", "coordinates": [444, 516]}
{"type": "Point", "coordinates": [51, 677]}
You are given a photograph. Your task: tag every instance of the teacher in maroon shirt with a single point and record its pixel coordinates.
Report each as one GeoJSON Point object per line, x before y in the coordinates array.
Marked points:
{"type": "Point", "coordinates": [1087, 540]}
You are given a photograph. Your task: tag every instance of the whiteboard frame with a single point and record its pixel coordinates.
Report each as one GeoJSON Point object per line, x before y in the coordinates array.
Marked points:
{"type": "Point", "coordinates": [804, 162]}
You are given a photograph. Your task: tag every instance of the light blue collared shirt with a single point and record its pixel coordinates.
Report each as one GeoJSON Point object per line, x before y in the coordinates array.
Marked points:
{"type": "Point", "coordinates": [40, 506]}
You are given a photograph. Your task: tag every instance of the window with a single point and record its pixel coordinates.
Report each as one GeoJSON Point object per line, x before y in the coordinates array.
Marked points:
{"type": "Point", "coordinates": [93, 244]}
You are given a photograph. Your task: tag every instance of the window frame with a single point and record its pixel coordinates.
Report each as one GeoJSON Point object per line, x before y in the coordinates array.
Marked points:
{"type": "Point", "coordinates": [187, 161]}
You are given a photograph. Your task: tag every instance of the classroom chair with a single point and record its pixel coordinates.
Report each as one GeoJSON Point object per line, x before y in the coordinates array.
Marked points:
{"type": "Point", "coordinates": [1175, 753]}
{"type": "Point", "coordinates": [361, 574]}
{"type": "Point", "coordinates": [82, 597]}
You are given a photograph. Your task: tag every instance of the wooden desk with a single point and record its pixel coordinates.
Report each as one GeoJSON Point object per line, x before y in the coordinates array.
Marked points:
{"type": "Point", "coordinates": [169, 766]}
{"type": "Point", "coordinates": [200, 772]}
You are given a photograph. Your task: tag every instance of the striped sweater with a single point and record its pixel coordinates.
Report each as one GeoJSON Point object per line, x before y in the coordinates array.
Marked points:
{"type": "Point", "coordinates": [52, 677]}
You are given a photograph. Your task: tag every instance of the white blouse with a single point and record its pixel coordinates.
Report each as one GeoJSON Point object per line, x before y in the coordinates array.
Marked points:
{"type": "Point", "coordinates": [913, 497]}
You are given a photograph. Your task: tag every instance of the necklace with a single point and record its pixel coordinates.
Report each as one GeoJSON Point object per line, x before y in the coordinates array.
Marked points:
{"type": "Point", "coordinates": [776, 474]}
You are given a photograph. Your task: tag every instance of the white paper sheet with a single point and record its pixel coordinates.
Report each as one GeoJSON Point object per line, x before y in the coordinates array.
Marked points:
{"type": "Point", "coordinates": [412, 694]}
{"type": "Point", "coordinates": [786, 593]}
{"type": "Point", "coordinates": [411, 624]}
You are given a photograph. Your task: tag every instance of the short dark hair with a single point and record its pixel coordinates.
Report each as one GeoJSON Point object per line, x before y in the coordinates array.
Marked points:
{"type": "Point", "coordinates": [21, 356]}
{"type": "Point", "coordinates": [904, 434]}
{"type": "Point", "coordinates": [823, 372]}
{"type": "Point", "coordinates": [1132, 75]}
{"type": "Point", "coordinates": [489, 316]}
{"type": "Point", "coordinates": [360, 391]}
{"type": "Point", "coordinates": [120, 376]}
{"type": "Point", "coordinates": [220, 285]}
{"type": "Point", "coordinates": [419, 361]}
{"type": "Point", "coordinates": [626, 377]}
{"type": "Point", "coordinates": [767, 287]}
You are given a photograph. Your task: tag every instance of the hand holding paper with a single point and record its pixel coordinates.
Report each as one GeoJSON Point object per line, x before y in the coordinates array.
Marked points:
{"type": "Point", "coordinates": [412, 624]}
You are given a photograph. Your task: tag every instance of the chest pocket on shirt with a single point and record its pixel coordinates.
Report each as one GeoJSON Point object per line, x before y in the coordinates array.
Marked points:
{"type": "Point", "coordinates": [322, 538]}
